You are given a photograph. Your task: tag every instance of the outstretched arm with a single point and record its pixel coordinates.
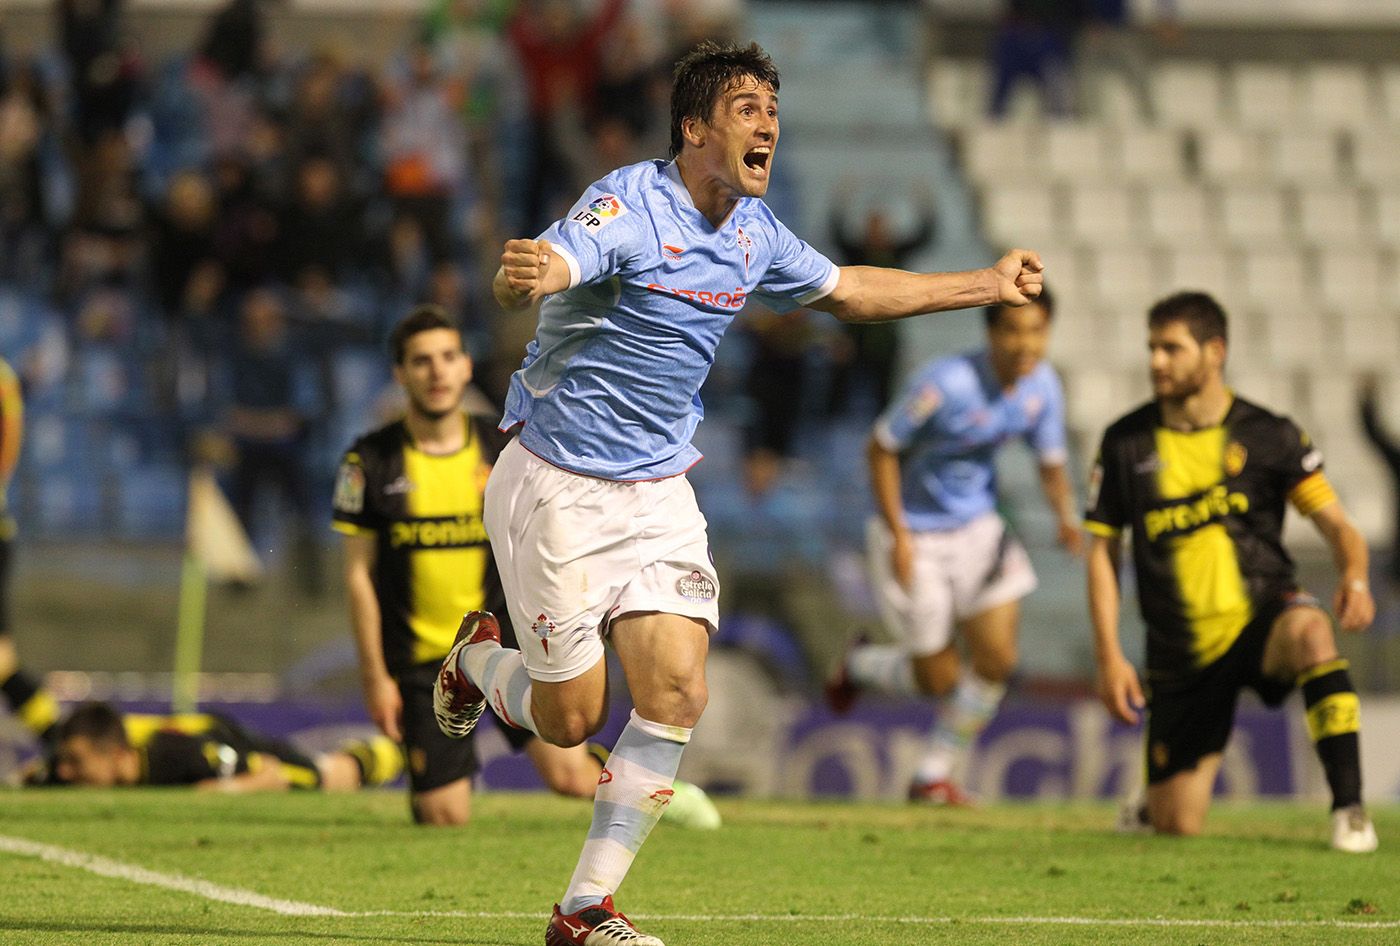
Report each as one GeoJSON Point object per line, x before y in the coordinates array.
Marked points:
{"type": "Point", "coordinates": [872, 294]}
{"type": "Point", "coordinates": [1352, 604]}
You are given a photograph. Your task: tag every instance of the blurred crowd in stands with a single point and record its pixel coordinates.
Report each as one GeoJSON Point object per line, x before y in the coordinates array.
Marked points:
{"type": "Point", "coordinates": [200, 243]}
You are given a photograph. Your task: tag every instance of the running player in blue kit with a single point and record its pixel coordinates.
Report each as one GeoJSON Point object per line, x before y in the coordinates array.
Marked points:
{"type": "Point", "coordinates": [941, 558]}
{"type": "Point", "coordinates": [595, 530]}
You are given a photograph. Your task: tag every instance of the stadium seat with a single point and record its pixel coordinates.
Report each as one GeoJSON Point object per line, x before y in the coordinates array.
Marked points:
{"type": "Point", "coordinates": [1289, 334]}
{"type": "Point", "coordinates": [1376, 157]}
{"type": "Point", "coordinates": [1074, 151]}
{"type": "Point", "coordinates": [1346, 274]}
{"type": "Point", "coordinates": [1212, 270]}
{"type": "Point", "coordinates": [1274, 276]}
{"type": "Point", "coordinates": [1264, 95]}
{"type": "Point", "coordinates": [1387, 206]}
{"type": "Point", "coordinates": [1390, 95]}
{"type": "Point", "coordinates": [1230, 154]}
{"type": "Point", "coordinates": [1103, 214]}
{"type": "Point", "coordinates": [1254, 215]}
{"type": "Point", "coordinates": [1303, 156]}
{"type": "Point", "coordinates": [1125, 277]}
{"type": "Point", "coordinates": [1154, 155]}
{"type": "Point", "coordinates": [1370, 335]}
{"type": "Point", "coordinates": [957, 92]}
{"type": "Point", "coordinates": [1330, 214]}
{"type": "Point", "coordinates": [1337, 95]}
{"type": "Point", "coordinates": [1179, 214]}
{"type": "Point", "coordinates": [995, 153]}
{"type": "Point", "coordinates": [1013, 215]}
{"type": "Point", "coordinates": [1188, 94]}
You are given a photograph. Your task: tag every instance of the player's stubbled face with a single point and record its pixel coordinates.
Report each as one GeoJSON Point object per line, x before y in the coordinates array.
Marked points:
{"type": "Point", "coordinates": [1179, 364]}
{"type": "Point", "coordinates": [1016, 342]}
{"type": "Point", "coordinates": [744, 135]}
{"type": "Point", "coordinates": [434, 372]}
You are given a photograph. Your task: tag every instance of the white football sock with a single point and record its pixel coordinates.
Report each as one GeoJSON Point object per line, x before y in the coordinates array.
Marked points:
{"type": "Point", "coordinates": [884, 668]}
{"type": "Point", "coordinates": [961, 718]}
{"type": "Point", "coordinates": [499, 673]}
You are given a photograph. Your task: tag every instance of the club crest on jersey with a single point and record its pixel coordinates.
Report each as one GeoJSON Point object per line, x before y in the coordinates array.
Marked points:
{"type": "Point", "coordinates": [350, 488]}
{"type": "Point", "coordinates": [696, 587]}
{"type": "Point", "coordinates": [542, 628]}
{"type": "Point", "coordinates": [745, 243]}
{"type": "Point", "coordinates": [671, 252]}
{"type": "Point", "coordinates": [1235, 457]}
{"type": "Point", "coordinates": [601, 211]}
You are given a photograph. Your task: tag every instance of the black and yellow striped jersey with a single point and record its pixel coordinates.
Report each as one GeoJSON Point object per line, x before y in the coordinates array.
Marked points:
{"type": "Point", "coordinates": [189, 748]}
{"type": "Point", "coordinates": [1205, 509]}
{"type": "Point", "coordinates": [11, 434]}
{"type": "Point", "coordinates": [433, 561]}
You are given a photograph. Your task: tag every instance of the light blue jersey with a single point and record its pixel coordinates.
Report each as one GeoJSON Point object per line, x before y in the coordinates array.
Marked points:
{"type": "Point", "coordinates": [947, 427]}
{"type": "Point", "coordinates": [610, 385]}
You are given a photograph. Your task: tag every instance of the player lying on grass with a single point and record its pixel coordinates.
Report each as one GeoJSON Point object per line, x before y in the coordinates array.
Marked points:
{"type": "Point", "coordinates": [100, 747]}
{"type": "Point", "coordinates": [1200, 478]}
{"type": "Point", "coordinates": [940, 557]}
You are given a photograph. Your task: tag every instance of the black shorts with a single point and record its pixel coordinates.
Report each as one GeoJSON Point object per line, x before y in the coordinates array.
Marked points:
{"type": "Point", "coordinates": [1191, 717]}
{"type": "Point", "coordinates": [435, 760]}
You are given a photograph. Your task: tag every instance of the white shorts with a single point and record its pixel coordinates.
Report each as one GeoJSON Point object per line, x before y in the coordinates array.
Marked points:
{"type": "Point", "coordinates": [575, 551]}
{"type": "Point", "coordinates": [958, 574]}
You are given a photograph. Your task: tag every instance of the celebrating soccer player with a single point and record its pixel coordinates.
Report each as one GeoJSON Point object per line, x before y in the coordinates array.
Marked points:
{"type": "Point", "coordinates": [594, 527]}
{"type": "Point", "coordinates": [940, 556]}
{"type": "Point", "coordinates": [408, 499]}
{"type": "Point", "coordinates": [1200, 477]}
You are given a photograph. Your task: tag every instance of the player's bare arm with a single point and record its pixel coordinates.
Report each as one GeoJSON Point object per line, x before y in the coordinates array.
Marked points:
{"type": "Point", "coordinates": [1055, 485]}
{"type": "Point", "coordinates": [1119, 687]}
{"type": "Point", "coordinates": [383, 701]}
{"type": "Point", "coordinates": [884, 480]}
{"type": "Point", "coordinates": [528, 273]}
{"type": "Point", "coordinates": [873, 294]}
{"type": "Point", "coordinates": [1352, 604]}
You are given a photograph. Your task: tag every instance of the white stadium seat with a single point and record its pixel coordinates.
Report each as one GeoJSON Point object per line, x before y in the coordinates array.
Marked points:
{"type": "Point", "coordinates": [1264, 95]}
{"type": "Point", "coordinates": [1337, 95]}
{"type": "Point", "coordinates": [957, 92]}
{"type": "Point", "coordinates": [1376, 157]}
{"type": "Point", "coordinates": [1370, 336]}
{"type": "Point", "coordinates": [1346, 277]}
{"type": "Point", "coordinates": [1179, 213]}
{"type": "Point", "coordinates": [1104, 213]}
{"type": "Point", "coordinates": [1229, 154]}
{"type": "Point", "coordinates": [1074, 151]}
{"type": "Point", "coordinates": [1020, 214]}
{"type": "Point", "coordinates": [1290, 333]}
{"type": "Point", "coordinates": [998, 153]}
{"type": "Point", "coordinates": [1276, 277]}
{"type": "Point", "coordinates": [1188, 94]}
{"type": "Point", "coordinates": [1254, 214]}
{"type": "Point", "coordinates": [1390, 95]}
{"type": "Point", "coordinates": [1304, 156]}
{"type": "Point", "coordinates": [1213, 271]}
{"type": "Point", "coordinates": [1331, 215]}
{"type": "Point", "coordinates": [1153, 155]}
{"type": "Point", "coordinates": [1387, 204]}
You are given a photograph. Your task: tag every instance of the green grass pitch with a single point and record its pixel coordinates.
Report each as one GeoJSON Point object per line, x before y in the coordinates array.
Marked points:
{"type": "Point", "coordinates": [778, 873]}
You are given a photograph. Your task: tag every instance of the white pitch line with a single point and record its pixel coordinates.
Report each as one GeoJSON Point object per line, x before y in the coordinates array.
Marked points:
{"type": "Point", "coordinates": [246, 898]}
{"type": "Point", "coordinates": [140, 875]}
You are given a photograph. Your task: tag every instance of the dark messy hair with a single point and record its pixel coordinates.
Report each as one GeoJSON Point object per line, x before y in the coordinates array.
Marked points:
{"type": "Point", "coordinates": [96, 721]}
{"type": "Point", "coordinates": [423, 318]}
{"type": "Point", "coordinates": [1045, 300]}
{"type": "Point", "coordinates": [706, 73]}
{"type": "Point", "coordinates": [1203, 316]}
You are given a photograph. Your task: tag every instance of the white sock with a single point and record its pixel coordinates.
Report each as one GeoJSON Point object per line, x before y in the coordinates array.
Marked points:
{"type": "Point", "coordinates": [961, 718]}
{"type": "Point", "coordinates": [499, 672]}
{"type": "Point", "coordinates": [883, 668]}
{"type": "Point", "coordinates": [633, 791]}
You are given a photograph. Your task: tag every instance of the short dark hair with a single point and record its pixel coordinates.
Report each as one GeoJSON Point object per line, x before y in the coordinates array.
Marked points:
{"type": "Point", "coordinates": [1203, 316]}
{"type": "Point", "coordinates": [708, 71]}
{"type": "Point", "coordinates": [423, 318]}
{"type": "Point", "coordinates": [1046, 300]}
{"type": "Point", "coordinates": [97, 721]}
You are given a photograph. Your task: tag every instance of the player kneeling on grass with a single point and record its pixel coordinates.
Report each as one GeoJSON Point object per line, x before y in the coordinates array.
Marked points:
{"type": "Point", "coordinates": [1200, 476]}
{"type": "Point", "coordinates": [940, 557]}
{"type": "Point", "coordinates": [99, 747]}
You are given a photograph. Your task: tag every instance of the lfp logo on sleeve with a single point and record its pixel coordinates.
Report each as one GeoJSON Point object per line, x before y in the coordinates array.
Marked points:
{"type": "Point", "coordinates": [601, 211]}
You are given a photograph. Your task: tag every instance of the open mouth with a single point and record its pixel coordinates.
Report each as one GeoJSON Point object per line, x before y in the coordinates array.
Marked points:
{"type": "Point", "coordinates": [757, 159]}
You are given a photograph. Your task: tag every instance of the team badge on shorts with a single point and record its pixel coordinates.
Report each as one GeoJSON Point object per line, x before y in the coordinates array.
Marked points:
{"type": "Point", "coordinates": [542, 628]}
{"type": "Point", "coordinates": [696, 587]}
